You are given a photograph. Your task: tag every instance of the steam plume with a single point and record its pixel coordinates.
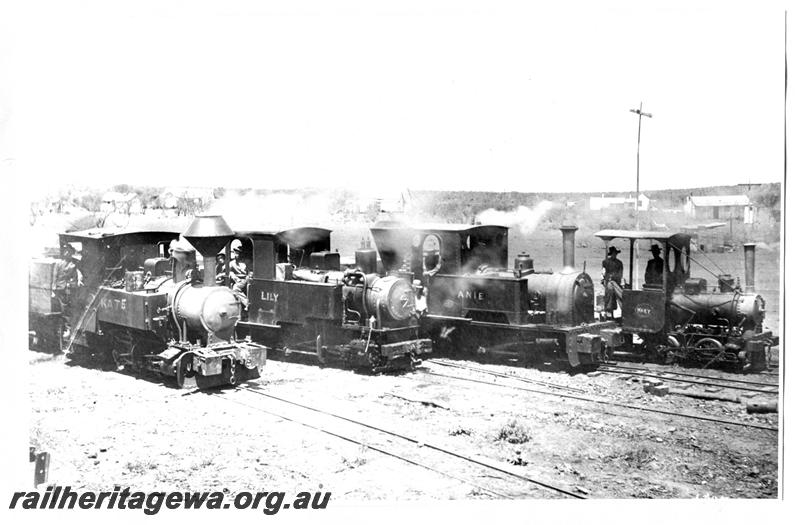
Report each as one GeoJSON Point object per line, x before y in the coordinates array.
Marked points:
{"type": "Point", "coordinates": [524, 218]}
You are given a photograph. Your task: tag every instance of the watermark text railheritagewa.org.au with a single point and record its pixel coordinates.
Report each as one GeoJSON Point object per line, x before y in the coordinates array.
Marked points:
{"type": "Point", "coordinates": [57, 497]}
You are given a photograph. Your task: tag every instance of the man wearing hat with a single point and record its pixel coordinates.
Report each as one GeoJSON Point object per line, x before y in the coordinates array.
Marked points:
{"type": "Point", "coordinates": [219, 268]}
{"type": "Point", "coordinates": [655, 267]}
{"type": "Point", "coordinates": [67, 276]}
{"type": "Point", "coordinates": [612, 280]}
{"type": "Point", "coordinates": [239, 270]}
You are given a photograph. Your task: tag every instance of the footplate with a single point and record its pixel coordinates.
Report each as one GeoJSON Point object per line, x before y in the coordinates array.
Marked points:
{"type": "Point", "coordinates": [227, 363]}
{"type": "Point", "coordinates": [413, 347]}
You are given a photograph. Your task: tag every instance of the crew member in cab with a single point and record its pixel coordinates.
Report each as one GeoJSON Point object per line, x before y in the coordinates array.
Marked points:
{"type": "Point", "coordinates": [655, 267]}
{"type": "Point", "coordinates": [239, 271]}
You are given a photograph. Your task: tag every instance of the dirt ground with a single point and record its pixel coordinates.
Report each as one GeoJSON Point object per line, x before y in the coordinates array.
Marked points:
{"type": "Point", "coordinates": [105, 428]}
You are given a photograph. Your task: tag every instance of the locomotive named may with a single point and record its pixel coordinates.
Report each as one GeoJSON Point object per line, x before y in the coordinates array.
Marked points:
{"type": "Point", "coordinates": [673, 316]}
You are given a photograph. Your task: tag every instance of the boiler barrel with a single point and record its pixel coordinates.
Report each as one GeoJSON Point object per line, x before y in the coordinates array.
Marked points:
{"type": "Point", "coordinates": [711, 308]}
{"type": "Point", "coordinates": [392, 295]}
{"type": "Point", "coordinates": [214, 309]}
{"type": "Point", "coordinates": [569, 295]}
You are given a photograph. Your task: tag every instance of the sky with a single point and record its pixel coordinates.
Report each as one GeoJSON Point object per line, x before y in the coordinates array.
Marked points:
{"type": "Point", "coordinates": [492, 96]}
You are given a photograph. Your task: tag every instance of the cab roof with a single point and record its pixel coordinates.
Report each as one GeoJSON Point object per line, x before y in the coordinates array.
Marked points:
{"type": "Point", "coordinates": [292, 236]}
{"type": "Point", "coordinates": [155, 228]}
{"type": "Point", "coordinates": [642, 234]}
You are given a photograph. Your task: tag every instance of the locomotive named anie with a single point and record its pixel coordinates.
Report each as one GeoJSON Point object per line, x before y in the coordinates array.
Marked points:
{"type": "Point", "coordinates": [477, 304]}
{"type": "Point", "coordinates": [141, 304]}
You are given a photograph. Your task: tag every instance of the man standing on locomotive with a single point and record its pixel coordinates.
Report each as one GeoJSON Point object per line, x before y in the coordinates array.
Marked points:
{"type": "Point", "coordinates": [612, 281]}
{"type": "Point", "coordinates": [67, 277]}
{"type": "Point", "coordinates": [655, 267]}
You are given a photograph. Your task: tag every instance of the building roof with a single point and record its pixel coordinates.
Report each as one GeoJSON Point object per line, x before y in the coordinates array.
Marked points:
{"type": "Point", "coordinates": [720, 200]}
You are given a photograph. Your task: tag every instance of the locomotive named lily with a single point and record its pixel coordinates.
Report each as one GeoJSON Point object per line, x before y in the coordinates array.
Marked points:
{"type": "Point", "coordinates": [302, 302]}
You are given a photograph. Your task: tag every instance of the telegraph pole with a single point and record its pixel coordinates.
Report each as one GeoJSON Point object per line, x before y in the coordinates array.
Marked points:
{"type": "Point", "coordinates": [638, 142]}
{"type": "Point", "coordinates": [635, 254]}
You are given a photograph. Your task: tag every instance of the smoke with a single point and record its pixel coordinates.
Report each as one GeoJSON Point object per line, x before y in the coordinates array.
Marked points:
{"type": "Point", "coordinates": [524, 218]}
{"type": "Point", "coordinates": [274, 211]}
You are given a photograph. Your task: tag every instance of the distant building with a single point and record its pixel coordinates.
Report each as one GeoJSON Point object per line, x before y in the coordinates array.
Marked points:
{"type": "Point", "coordinates": [185, 200]}
{"type": "Point", "coordinates": [736, 207]}
{"type": "Point", "coordinates": [602, 202]}
{"type": "Point", "coordinates": [125, 203]}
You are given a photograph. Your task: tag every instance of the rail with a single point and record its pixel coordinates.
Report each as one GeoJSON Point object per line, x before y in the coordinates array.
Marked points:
{"type": "Point", "coordinates": [612, 403]}
{"type": "Point", "coordinates": [761, 388]}
{"type": "Point", "coordinates": [417, 442]}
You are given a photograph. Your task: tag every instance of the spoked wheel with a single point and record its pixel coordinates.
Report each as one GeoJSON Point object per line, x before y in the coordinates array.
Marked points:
{"type": "Point", "coordinates": [183, 368]}
{"type": "Point", "coordinates": [709, 343]}
{"type": "Point", "coordinates": [710, 348]}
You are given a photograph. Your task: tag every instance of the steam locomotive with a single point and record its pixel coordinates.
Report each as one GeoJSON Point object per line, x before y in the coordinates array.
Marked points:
{"type": "Point", "coordinates": [143, 305]}
{"type": "Point", "coordinates": [683, 319]}
{"type": "Point", "coordinates": [477, 305]}
{"type": "Point", "coordinates": [302, 302]}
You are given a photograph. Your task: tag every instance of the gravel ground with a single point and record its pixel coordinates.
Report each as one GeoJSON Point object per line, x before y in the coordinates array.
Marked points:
{"type": "Point", "coordinates": [106, 428]}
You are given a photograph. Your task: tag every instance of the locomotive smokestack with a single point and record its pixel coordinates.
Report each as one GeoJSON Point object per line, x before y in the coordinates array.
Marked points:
{"type": "Point", "coordinates": [749, 267]}
{"type": "Point", "coordinates": [568, 245]}
{"type": "Point", "coordinates": [208, 234]}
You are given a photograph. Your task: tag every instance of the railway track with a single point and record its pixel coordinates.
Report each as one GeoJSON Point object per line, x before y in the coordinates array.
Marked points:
{"type": "Point", "coordinates": [393, 440]}
{"type": "Point", "coordinates": [605, 402]}
{"type": "Point", "coordinates": [696, 379]}
{"type": "Point", "coordinates": [506, 376]}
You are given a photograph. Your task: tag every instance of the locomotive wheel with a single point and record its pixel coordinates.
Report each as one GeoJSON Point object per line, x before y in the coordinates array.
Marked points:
{"type": "Point", "coordinates": [709, 349]}
{"type": "Point", "coordinates": [183, 368]}
{"type": "Point", "coordinates": [709, 343]}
